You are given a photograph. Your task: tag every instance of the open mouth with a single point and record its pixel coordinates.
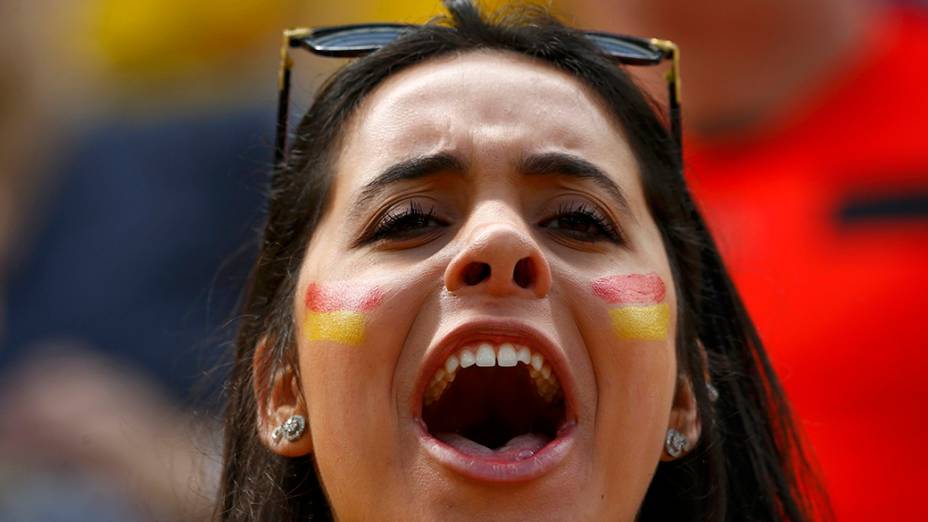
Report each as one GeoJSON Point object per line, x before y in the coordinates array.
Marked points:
{"type": "Point", "coordinates": [496, 404]}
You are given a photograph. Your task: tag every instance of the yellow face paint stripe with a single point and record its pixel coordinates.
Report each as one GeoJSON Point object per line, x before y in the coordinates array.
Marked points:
{"type": "Point", "coordinates": [344, 327]}
{"type": "Point", "coordinates": [643, 323]}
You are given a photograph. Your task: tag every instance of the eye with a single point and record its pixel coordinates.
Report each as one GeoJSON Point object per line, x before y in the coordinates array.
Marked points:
{"type": "Point", "coordinates": [582, 222]}
{"type": "Point", "coordinates": [406, 222]}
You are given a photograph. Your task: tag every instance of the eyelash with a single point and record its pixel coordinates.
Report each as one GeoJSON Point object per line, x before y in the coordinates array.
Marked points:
{"type": "Point", "coordinates": [580, 213]}
{"type": "Point", "coordinates": [413, 220]}
{"type": "Point", "coordinates": [405, 223]}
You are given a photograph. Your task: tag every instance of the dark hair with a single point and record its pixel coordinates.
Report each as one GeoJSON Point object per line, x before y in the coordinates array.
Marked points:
{"type": "Point", "coordinates": [749, 464]}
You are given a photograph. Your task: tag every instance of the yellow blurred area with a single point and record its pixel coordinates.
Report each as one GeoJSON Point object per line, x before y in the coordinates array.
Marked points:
{"type": "Point", "coordinates": [408, 11]}
{"type": "Point", "coordinates": [153, 38]}
{"type": "Point", "coordinates": [162, 35]}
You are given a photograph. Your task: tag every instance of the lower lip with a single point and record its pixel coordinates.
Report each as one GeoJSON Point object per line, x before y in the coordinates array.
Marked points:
{"type": "Point", "coordinates": [488, 469]}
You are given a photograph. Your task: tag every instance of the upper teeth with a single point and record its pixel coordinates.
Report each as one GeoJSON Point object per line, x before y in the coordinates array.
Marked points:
{"type": "Point", "coordinates": [485, 355]}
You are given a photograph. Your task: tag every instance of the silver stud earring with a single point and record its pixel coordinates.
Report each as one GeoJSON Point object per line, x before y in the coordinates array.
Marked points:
{"type": "Point", "coordinates": [713, 392]}
{"type": "Point", "coordinates": [292, 429]}
{"type": "Point", "coordinates": [675, 443]}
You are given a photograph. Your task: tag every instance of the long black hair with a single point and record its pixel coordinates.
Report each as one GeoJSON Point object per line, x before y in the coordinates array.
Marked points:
{"type": "Point", "coordinates": [749, 464]}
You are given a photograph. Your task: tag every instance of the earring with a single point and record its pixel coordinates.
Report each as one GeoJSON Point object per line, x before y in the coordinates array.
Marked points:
{"type": "Point", "coordinates": [292, 429]}
{"type": "Point", "coordinates": [713, 392]}
{"type": "Point", "coordinates": [675, 443]}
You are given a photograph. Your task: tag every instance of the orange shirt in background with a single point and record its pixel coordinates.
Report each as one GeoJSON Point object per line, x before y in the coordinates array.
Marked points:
{"type": "Point", "coordinates": [823, 222]}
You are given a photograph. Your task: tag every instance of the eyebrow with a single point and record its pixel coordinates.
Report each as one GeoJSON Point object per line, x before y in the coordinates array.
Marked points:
{"type": "Point", "coordinates": [570, 166]}
{"type": "Point", "coordinates": [542, 165]}
{"type": "Point", "coordinates": [411, 169]}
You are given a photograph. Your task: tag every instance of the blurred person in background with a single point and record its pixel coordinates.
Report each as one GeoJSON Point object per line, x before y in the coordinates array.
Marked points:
{"type": "Point", "coordinates": [807, 150]}
{"type": "Point", "coordinates": [132, 137]}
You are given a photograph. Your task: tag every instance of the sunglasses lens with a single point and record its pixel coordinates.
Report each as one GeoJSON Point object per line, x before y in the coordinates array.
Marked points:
{"type": "Point", "coordinates": [627, 51]}
{"type": "Point", "coordinates": [354, 40]}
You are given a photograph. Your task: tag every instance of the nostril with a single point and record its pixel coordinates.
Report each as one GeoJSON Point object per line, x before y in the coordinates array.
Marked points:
{"type": "Point", "coordinates": [524, 273]}
{"type": "Point", "coordinates": [476, 273]}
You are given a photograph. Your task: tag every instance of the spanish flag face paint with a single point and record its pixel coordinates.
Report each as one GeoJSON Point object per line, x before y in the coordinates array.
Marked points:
{"type": "Point", "coordinates": [640, 312]}
{"type": "Point", "coordinates": [337, 312]}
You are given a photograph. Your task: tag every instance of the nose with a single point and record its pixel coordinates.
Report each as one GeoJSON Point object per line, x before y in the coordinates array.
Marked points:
{"type": "Point", "coordinates": [503, 260]}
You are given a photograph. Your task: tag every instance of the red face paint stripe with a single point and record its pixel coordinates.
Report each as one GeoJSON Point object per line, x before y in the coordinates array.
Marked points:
{"type": "Point", "coordinates": [631, 289]}
{"type": "Point", "coordinates": [335, 297]}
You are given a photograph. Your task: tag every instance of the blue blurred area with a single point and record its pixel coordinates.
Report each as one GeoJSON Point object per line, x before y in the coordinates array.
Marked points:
{"type": "Point", "coordinates": [77, 499]}
{"type": "Point", "coordinates": [146, 244]}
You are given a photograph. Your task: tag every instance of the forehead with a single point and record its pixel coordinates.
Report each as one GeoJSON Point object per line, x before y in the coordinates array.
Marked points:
{"type": "Point", "coordinates": [481, 106]}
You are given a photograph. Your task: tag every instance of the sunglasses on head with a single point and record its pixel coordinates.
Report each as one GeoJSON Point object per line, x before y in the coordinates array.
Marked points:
{"type": "Point", "coordinates": [353, 41]}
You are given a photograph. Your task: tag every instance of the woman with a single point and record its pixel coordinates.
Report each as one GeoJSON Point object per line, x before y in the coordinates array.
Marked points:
{"type": "Point", "coordinates": [485, 293]}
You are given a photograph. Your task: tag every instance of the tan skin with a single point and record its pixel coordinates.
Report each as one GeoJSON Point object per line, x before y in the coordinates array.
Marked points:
{"type": "Point", "coordinates": [745, 62]}
{"type": "Point", "coordinates": [483, 109]}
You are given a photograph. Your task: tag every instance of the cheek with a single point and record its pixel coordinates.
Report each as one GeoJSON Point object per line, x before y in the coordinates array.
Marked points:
{"type": "Point", "coordinates": [344, 415]}
{"type": "Point", "coordinates": [629, 335]}
{"type": "Point", "coordinates": [635, 406]}
{"type": "Point", "coordinates": [637, 350]}
{"type": "Point", "coordinates": [337, 313]}
{"type": "Point", "coordinates": [343, 352]}
{"type": "Point", "coordinates": [637, 310]}
{"type": "Point", "coordinates": [339, 360]}
{"type": "Point", "coordinates": [349, 336]}
{"type": "Point", "coordinates": [643, 323]}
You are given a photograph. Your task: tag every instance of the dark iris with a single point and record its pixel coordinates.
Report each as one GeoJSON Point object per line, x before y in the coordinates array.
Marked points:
{"type": "Point", "coordinates": [582, 223]}
{"type": "Point", "coordinates": [410, 222]}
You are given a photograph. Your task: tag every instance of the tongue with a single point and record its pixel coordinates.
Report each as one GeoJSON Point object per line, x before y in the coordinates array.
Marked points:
{"type": "Point", "coordinates": [518, 448]}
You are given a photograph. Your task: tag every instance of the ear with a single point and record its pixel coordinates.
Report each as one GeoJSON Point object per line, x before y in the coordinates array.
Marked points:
{"type": "Point", "coordinates": [278, 397]}
{"type": "Point", "coordinates": [684, 415]}
{"type": "Point", "coordinates": [707, 376]}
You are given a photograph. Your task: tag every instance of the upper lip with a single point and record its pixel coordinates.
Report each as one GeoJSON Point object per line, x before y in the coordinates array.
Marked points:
{"type": "Point", "coordinates": [495, 331]}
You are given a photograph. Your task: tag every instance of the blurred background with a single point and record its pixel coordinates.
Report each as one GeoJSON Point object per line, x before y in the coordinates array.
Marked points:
{"type": "Point", "coordinates": [135, 143]}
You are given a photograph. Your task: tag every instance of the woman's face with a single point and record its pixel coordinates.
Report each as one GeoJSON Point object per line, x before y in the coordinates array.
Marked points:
{"type": "Point", "coordinates": [486, 313]}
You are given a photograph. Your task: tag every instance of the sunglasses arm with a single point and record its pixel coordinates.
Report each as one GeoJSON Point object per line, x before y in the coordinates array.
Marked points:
{"type": "Point", "coordinates": [671, 51]}
{"type": "Point", "coordinates": [283, 92]}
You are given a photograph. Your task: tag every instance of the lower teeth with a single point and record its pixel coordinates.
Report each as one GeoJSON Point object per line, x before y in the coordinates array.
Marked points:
{"type": "Point", "coordinates": [547, 388]}
{"type": "Point", "coordinates": [520, 447]}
